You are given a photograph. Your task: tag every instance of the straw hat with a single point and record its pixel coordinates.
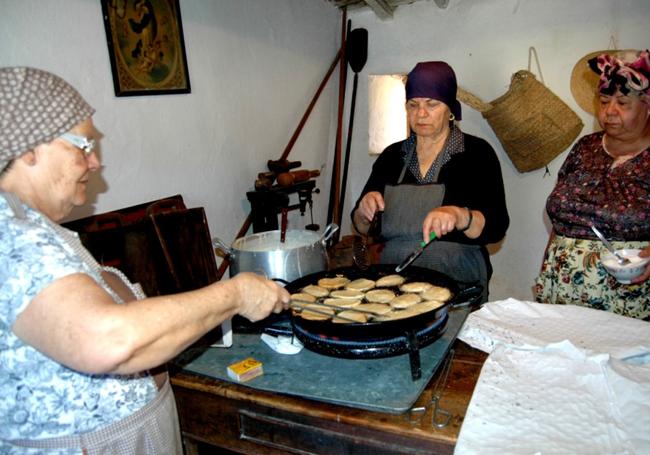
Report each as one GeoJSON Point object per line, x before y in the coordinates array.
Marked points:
{"type": "Point", "coordinates": [584, 82]}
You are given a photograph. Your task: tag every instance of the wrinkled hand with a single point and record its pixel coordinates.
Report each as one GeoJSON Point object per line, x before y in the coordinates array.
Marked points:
{"type": "Point", "coordinates": [258, 297]}
{"type": "Point", "coordinates": [644, 254]}
{"type": "Point", "coordinates": [369, 205]}
{"type": "Point", "coordinates": [441, 220]}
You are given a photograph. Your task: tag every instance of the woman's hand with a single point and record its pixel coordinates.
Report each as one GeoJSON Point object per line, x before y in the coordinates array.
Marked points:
{"type": "Point", "coordinates": [443, 220]}
{"type": "Point", "coordinates": [258, 297]}
{"type": "Point", "coordinates": [644, 254]}
{"type": "Point", "coordinates": [370, 204]}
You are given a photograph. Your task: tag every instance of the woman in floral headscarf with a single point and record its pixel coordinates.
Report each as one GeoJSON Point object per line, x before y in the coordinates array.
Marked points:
{"type": "Point", "coordinates": [605, 182]}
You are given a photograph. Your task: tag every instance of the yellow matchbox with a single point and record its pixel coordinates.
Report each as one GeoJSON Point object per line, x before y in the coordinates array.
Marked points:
{"type": "Point", "coordinates": [245, 370]}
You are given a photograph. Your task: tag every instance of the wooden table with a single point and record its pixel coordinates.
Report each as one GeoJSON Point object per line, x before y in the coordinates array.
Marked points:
{"type": "Point", "coordinates": [245, 420]}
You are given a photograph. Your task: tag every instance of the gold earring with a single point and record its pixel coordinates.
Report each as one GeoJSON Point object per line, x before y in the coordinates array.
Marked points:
{"type": "Point", "coordinates": [452, 117]}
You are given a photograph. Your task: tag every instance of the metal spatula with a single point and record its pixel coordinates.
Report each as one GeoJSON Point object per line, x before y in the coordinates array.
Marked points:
{"type": "Point", "coordinates": [415, 254]}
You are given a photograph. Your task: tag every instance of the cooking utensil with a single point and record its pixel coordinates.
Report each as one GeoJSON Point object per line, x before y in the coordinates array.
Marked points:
{"type": "Point", "coordinates": [336, 307]}
{"type": "Point", "coordinates": [360, 253]}
{"type": "Point", "coordinates": [382, 329]}
{"type": "Point", "coordinates": [377, 338]}
{"type": "Point", "coordinates": [621, 260]}
{"type": "Point", "coordinates": [415, 254]}
{"type": "Point", "coordinates": [301, 307]}
{"type": "Point", "coordinates": [356, 53]}
{"type": "Point", "coordinates": [303, 252]}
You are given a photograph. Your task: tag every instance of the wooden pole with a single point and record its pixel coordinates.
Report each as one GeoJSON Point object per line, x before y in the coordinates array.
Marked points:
{"type": "Point", "coordinates": [249, 219]}
{"type": "Point", "coordinates": [335, 189]}
{"type": "Point", "coordinates": [303, 120]}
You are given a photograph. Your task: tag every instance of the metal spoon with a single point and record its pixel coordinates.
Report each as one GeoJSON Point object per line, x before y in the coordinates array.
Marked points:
{"type": "Point", "coordinates": [610, 248]}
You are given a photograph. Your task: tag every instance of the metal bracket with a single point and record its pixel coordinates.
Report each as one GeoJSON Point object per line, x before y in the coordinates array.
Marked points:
{"type": "Point", "coordinates": [440, 417]}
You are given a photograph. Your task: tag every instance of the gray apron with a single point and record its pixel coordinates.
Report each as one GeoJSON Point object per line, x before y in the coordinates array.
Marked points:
{"type": "Point", "coordinates": [406, 206]}
{"type": "Point", "coordinates": [151, 430]}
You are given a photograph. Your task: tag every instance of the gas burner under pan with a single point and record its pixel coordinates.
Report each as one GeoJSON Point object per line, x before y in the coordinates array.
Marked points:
{"type": "Point", "coordinates": [376, 348]}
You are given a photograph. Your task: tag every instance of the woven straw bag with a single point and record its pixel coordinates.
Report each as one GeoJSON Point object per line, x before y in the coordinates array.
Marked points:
{"type": "Point", "coordinates": [530, 121]}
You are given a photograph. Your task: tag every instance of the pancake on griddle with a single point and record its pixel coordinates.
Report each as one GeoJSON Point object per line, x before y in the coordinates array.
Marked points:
{"type": "Point", "coordinates": [333, 283]}
{"type": "Point", "coordinates": [397, 314]}
{"type": "Point", "coordinates": [405, 300]}
{"type": "Point", "coordinates": [316, 291]}
{"type": "Point", "coordinates": [347, 294]}
{"type": "Point", "coordinates": [320, 312]}
{"type": "Point", "coordinates": [380, 296]}
{"type": "Point", "coordinates": [303, 297]}
{"type": "Point", "coordinates": [361, 284]}
{"type": "Point", "coordinates": [349, 314]}
{"type": "Point", "coordinates": [342, 303]}
{"type": "Point", "coordinates": [436, 293]}
{"type": "Point", "coordinates": [379, 308]}
{"type": "Point", "coordinates": [425, 307]}
{"type": "Point", "coordinates": [389, 281]}
{"type": "Point", "coordinates": [415, 286]}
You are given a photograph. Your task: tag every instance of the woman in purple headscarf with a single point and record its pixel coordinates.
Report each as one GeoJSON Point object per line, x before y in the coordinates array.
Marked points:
{"type": "Point", "coordinates": [605, 182]}
{"type": "Point", "coordinates": [439, 180]}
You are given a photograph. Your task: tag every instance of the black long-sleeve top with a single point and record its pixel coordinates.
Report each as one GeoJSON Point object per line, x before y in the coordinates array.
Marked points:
{"type": "Point", "coordinates": [472, 179]}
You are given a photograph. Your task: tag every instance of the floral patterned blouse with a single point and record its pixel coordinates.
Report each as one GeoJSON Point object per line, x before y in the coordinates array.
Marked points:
{"type": "Point", "coordinates": [588, 191]}
{"type": "Point", "coordinates": [40, 397]}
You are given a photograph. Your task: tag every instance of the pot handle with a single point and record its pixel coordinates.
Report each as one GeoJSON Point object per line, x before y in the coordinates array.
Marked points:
{"type": "Point", "coordinates": [218, 244]}
{"type": "Point", "coordinates": [329, 231]}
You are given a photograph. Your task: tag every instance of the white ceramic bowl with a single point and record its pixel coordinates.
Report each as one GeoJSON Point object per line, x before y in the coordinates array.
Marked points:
{"type": "Point", "coordinates": [624, 273]}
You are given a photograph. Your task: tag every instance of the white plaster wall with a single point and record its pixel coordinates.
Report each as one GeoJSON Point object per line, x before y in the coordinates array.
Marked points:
{"type": "Point", "coordinates": [254, 67]}
{"type": "Point", "coordinates": [255, 64]}
{"type": "Point", "coordinates": [486, 42]}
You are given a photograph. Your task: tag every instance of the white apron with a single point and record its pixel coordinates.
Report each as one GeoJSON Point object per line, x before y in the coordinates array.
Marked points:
{"type": "Point", "coordinates": [151, 430]}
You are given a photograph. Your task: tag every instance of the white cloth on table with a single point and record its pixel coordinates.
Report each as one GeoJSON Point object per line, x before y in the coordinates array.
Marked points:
{"type": "Point", "coordinates": [559, 379]}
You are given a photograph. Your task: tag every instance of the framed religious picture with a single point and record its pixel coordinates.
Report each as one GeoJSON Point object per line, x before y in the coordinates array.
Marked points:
{"type": "Point", "coordinates": [146, 47]}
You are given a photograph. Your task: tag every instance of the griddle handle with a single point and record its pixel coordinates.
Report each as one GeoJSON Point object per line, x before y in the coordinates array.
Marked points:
{"type": "Point", "coordinates": [414, 355]}
{"type": "Point", "coordinates": [469, 295]}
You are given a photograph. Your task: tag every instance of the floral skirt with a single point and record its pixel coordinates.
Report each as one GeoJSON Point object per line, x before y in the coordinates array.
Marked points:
{"type": "Point", "coordinates": [572, 274]}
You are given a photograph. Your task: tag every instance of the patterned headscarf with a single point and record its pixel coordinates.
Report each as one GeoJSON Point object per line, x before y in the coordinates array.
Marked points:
{"type": "Point", "coordinates": [35, 108]}
{"type": "Point", "coordinates": [624, 74]}
{"type": "Point", "coordinates": [435, 80]}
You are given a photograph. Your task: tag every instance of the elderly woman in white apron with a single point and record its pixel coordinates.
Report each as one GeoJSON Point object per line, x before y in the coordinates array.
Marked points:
{"type": "Point", "coordinates": [439, 180]}
{"type": "Point", "coordinates": [78, 342]}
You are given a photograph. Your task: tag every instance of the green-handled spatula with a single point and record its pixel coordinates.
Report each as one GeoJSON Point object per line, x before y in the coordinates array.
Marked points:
{"type": "Point", "coordinates": [415, 254]}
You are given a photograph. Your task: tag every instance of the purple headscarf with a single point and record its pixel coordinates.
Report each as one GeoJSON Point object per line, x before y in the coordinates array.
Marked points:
{"type": "Point", "coordinates": [435, 80]}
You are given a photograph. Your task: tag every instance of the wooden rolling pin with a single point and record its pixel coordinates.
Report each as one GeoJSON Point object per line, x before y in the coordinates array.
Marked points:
{"type": "Point", "coordinates": [293, 177]}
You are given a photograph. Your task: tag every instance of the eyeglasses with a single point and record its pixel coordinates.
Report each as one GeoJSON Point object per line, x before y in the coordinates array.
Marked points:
{"type": "Point", "coordinates": [85, 144]}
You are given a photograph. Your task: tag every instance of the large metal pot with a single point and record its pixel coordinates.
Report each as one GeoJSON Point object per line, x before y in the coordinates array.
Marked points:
{"type": "Point", "coordinates": [302, 253]}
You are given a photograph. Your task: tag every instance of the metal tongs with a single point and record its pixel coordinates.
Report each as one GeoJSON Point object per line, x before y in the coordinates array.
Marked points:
{"type": "Point", "coordinates": [300, 305]}
{"type": "Point", "coordinates": [621, 260]}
